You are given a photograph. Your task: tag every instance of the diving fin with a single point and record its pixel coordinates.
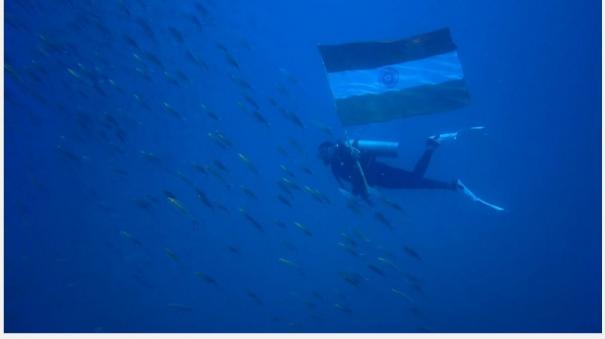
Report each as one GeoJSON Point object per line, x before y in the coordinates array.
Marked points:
{"type": "Point", "coordinates": [472, 195]}
{"type": "Point", "coordinates": [439, 138]}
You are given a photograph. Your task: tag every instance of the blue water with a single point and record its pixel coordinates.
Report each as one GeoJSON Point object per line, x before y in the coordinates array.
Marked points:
{"type": "Point", "coordinates": [94, 244]}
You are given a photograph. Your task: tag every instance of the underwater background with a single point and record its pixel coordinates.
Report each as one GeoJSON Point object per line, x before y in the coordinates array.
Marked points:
{"type": "Point", "coordinates": [161, 171]}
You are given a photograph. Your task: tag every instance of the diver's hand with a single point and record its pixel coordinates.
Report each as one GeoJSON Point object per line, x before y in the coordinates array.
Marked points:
{"type": "Point", "coordinates": [355, 153]}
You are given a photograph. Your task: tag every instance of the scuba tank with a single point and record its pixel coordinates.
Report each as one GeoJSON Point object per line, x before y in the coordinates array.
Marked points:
{"type": "Point", "coordinates": [384, 148]}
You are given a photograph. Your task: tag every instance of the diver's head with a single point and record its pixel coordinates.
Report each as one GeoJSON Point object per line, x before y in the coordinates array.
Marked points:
{"type": "Point", "coordinates": [326, 152]}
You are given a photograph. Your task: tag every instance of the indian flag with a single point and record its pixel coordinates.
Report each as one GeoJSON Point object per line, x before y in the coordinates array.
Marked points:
{"type": "Point", "coordinates": [381, 81]}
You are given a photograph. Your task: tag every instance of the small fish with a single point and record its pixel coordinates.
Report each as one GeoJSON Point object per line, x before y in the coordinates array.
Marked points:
{"type": "Point", "coordinates": [355, 206]}
{"type": "Point", "coordinates": [168, 108]}
{"type": "Point", "coordinates": [231, 60]}
{"type": "Point", "coordinates": [143, 204]}
{"type": "Point", "coordinates": [412, 253]}
{"type": "Point", "coordinates": [282, 89]}
{"type": "Point", "coordinates": [292, 117]}
{"type": "Point", "coordinates": [194, 20]}
{"type": "Point", "coordinates": [146, 28]}
{"type": "Point", "coordinates": [251, 219]}
{"type": "Point", "coordinates": [417, 287]}
{"type": "Point", "coordinates": [210, 113]}
{"type": "Point", "coordinates": [176, 35]}
{"type": "Point", "coordinates": [68, 154]}
{"type": "Point", "coordinates": [129, 237]}
{"type": "Point", "coordinates": [131, 41]}
{"type": "Point", "coordinates": [288, 185]}
{"type": "Point", "coordinates": [389, 263]}
{"type": "Point", "coordinates": [180, 307]}
{"type": "Point", "coordinates": [284, 200]}
{"type": "Point", "coordinates": [196, 60]}
{"type": "Point", "coordinates": [376, 270]}
{"type": "Point", "coordinates": [73, 73]}
{"type": "Point", "coordinates": [182, 76]}
{"type": "Point", "coordinates": [290, 246]}
{"type": "Point", "coordinates": [272, 101]}
{"type": "Point", "coordinates": [254, 297]}
{"type": "Point", "coordinates": [349, 240]}
{"type": "Point", "coordinates": [220, 139]}
{"type": "Point", "coordinates": [412, 279]}
{"type": "Point", "coordinates": [296, 145]}
{"type": "Point", "coordinates": [287, 262]}
{"type": "Point", "coordinates": [143, 73]}
{"type": "Point", "coordinates": [380, 217]}
{"type": "Point", "coordinates": [137, 57]}
{"type": "Point", "coordinates": [204, 198]}
{"type": "Point", "coordinates": [310, 305]}
{"type": "Point", "coordinates": [287, 171]}
{"type": "Point", "coordinates": [154, 59]}
{"type": "Point", "coordinates": [280, 224]}
{"type": "Point", "coordinates": [288, 76]}
{"type": "Point", "coordinates": [343, 308]}
{"type": "Point", "coordinates": [141, 280]}
{"type": "Point", "coordinates": [352, 278]}
{"type": "Point", "coordinates": [12, 72]}
{"type": "Point", "coordinates": [171, 79]}
{"type": "Point", "coordinates": [151, 157]}
{"type": "Point", "coordinates": [245, 44]}
{"type": "Point", "coordinates": [307, 170]}
{"type": "Point", "coordinates": [350, 249]}
{"type": "Point", "coordinates": [260, 118]}
{"type": "Point", "coordinates": [303, 228]}
{"type": "Point", "coordinates": [248, 163]}
{"type": "Point", "coordinates": [323, 128]}
{"type": "Point", "coordinates": [218, 175]}
{"type": "Point", "coordinates": [242, 83]}
{"type": "Point", "coordinates": [282, 151]}
{"type": "Point", "coordinates": [393, 205]}
{"type": "Point", "coordinates": [200, 168]}
{"type": "Point", "coordinates": [169, 194]}
{"type": "Point", "coordinates": [222, 207]}
{"type": "Point", "coordinates": [317, 195]}
{"type": "Point", "coordinates": [233, 249]}
{"type": "Point", "coordinates": [206, 278]}
{"type": "Point", "coordinates": [177, 204]}
{"type": "Point", "coordinates": [249, 192]}
{"type": "Point", "coordinates": [252, 102]}
{"type": "Point", "coordinates": [218, 164]}
{"type": "Point", "coordinates": [125, 10]}
{"type": "Point", "coordinates": [203, 11]}
{"type": "Point", "coordinates": [171, 254]}
{"type": "Point", "coordinates": [317, 295]}
{"type": "Point", "coordinates": [401, 294]}
{"type": "Point", "coordinates": [221, 47]}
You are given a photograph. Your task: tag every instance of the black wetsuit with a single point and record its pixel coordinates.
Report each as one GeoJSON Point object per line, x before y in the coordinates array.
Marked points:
{"type": "Point", "coordinates": [380, 174]}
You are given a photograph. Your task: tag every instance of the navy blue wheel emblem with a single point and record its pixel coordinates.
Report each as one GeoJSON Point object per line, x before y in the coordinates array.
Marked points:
{"type": "Point", "coordinates": [389, 76]}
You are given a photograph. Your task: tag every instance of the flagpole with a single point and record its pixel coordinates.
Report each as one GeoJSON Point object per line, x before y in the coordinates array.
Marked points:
{"type": "Point", "coordinates": [357, 164]}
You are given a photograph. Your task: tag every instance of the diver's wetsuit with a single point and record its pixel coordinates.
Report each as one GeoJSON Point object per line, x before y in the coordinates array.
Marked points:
{"type": "Point", "coordinates": [380, 174]}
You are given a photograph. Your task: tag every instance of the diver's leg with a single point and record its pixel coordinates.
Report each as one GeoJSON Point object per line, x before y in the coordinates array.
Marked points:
{"type": "Point", "coordinates": [425, 159]}
{"type": "Point", "coordinates": [435, 184]}
{"type": "Point", "coordinates": [383, 175]}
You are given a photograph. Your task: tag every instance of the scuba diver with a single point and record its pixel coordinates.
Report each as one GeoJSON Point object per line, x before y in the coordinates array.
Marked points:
{"type": "Point", "coordinates": [355, 161]}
